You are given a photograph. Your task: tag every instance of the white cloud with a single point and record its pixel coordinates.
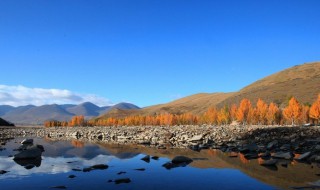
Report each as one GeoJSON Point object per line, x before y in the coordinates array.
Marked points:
{"type": "Point", "coordinates": [21, 95]}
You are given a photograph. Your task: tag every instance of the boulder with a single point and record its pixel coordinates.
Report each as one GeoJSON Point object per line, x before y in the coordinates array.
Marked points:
{"type": "Point", "coordinates": [146, 158]}
{"type": "Point", "coordinates": [181, 159]}
{"type": "Point", "coordinates": [32, 152]}
{"type": "Point", "coordinates": [27, 141]}
{"type": "Point", "coordinates": [196, 138]}
{"type": "Point", "coordinates": [3, 172]}
{"type": "Point", "coordinates": [272, 162]}
{"type": "Point", "coordinates": [303, 156]}
{"type": "Point", "coordinates": [272, 144]}
{"type": "Point", "coordinates": [283, 155]}
{"type": "Point", "coordinates": [120, 181]}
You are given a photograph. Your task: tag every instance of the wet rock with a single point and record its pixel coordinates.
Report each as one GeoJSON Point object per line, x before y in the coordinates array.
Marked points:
{"type": "Point", "coordinates": [272, 162]}
{"type": "Point", "coordinates": [29, 166]}
{"type": "Point", "coordinates": [265, 154]}
{"type": "Point", "coordinates": [283, 155]}
{"type": "Point", "coordinates": [146, 159]}
{"type": "Point", "coordinates": [59, 187]}
{"type": "Point", "coordinates": [272, 144]}
{"type": "Point", "coordinates": [96, 167]}
{"type": "Point", "coordinates": [30, 153]}
{"type": "Point", "coordinates": [181, 159]}
{"type": "Point", "coordinates": [303, 156]}
{"type": "Point", "coordinates": [155, 158]}
{"type": "Point", "coordinates": [100, 167]}
{"type": "Point", "coordinates": [140, 169]}
{"type": "Point", "coordinates": [27, 141]}
{"type": "Point", "coordinates": [3, 172]}
{"type": "Point", "coordinates": [120, 181]}
{"type": "Point", "coordinates": [72, 176]}
{"type": "Point", "coordinates": [285, 147]}
{"type": "Point", "coordinates": [121, 173]}
{"type": "Point", "coordinates": [250, 156]}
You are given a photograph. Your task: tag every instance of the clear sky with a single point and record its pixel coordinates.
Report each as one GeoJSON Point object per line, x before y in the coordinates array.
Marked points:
{"type": "Point", "coordinates": [149, 51]}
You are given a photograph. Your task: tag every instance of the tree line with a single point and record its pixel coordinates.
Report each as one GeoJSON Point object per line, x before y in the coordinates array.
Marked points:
{"type": "Point", "coordinates": [245, 113]}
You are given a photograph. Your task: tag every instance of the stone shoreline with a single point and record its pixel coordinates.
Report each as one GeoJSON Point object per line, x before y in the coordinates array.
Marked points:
{"type": "Point", "coordinates": [176, 136]}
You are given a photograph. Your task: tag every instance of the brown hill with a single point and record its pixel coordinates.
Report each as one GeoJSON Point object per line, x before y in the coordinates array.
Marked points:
{"type": "Point", "coordinates": [302, 82]}
{"type": "Point", "coordinates": [195, 104]}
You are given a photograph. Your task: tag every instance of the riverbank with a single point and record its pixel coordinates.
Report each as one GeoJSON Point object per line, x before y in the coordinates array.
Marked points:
{"type": "Point", "coordinates": [176, 136]}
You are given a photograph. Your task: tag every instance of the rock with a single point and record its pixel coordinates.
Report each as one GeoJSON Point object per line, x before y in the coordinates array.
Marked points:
{"type": "Point", "coordinates": [71, 176]}
{"type": "Point", "coordinates": [181, 159]}
{"type": "Point", "coordinates": [140, 169]}
{"type": "Point", "coordinates": [27, 141]}
{"type": "Point", "coordinates": [29, 166]}
{"type": "Point", "coordinates": [146, 159]}
{"type": "Point", "coordinates": [120, 173]}
{"type": "Point", "coordinates": [265, 155]}
{"type": "Point", "coordinates": [3, 172]}
{"type": "Point", "coordinates": [100, 167]}
{"type": "Point", "coordinates": [155, 158]}
{"type": "Point", "coordinates": [250, 156]}
{"type": "Point", "coordinates": [272, 144]}
{"type": "Point", "coordinates": [272, 162]}
{"type": "Point", "coordinates": [196, 138]}
{"type": "Point", "coordinates": [283, 155]}
{"type": "Point", "coordinates": [303, 156]}
{"type": "Point", "coordinates": [285, 147]}
{"type": "Point", "coordinates": [30, 153]}
{"type": "Point", "coordinates": [120, 181]}
{"type": "Point", "coordinates": [59, 187]}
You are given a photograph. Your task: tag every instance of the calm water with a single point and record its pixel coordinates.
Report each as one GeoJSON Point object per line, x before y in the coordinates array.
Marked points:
{"type": "Point", "coordinates": [210, 170]}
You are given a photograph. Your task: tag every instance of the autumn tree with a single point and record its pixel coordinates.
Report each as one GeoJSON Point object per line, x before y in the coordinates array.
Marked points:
{"type": "Point", "coordinates": [243, 110]}
{"type": "Point", "coordinates": [233, 112]}
{"type": "Point", "coordinates": [315, 110]}
{"type": "Point", "coordinates": [223, 116]}
{"type": "Point", "coordinates": [261, 111]}
{"type": "Point", "coordinates": [293, 111]}
{"type": "Point", "coordinates": [272, 112]}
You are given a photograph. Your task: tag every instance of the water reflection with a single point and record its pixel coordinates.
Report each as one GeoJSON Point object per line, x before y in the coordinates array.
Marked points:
{"type": "Point", "coordinates": [65, 157]}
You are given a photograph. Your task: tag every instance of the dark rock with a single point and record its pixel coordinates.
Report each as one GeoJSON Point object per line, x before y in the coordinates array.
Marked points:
{"type": "Point", "coordinates": [250, 156]}
{"type": "Point", "coordinates": [285, 147]}
{"type": "Point", "coordinates": [29, 166]}
{"type": "Point", "coordinates": [100, 167]}
{"type": "Point", "coordinates": [140, 169]}
{"type": "Point", "coordinates": [87, 169]}
{"type": "Point", "coordinates": [265, 154]}
{"type": "Point", "coordinates": [303, 156]}
{"type": "Point", "coordinates": [283, 155]}
{"type": "Point", "coordinates": [30, 153]}
{"type": "Point", "coordinates": [272, 144]}
{"type": "Point", "coordinates": [181, 159]}
{"type": "Point", "coordinates": [120, 173]}
{"type": "Point", "coordinates": [155, 158]}
{"type": "Point", "coordinates": [72, 176]}
{"type": "Point", "coordinates": [146, 159]}
{"type": "Point", "coordinates": [120, 181]}
{"type": "Point", "coordinates": [27, 141]}
{"type": "Point", "coordinates": [59, 187]}
{"type": "Point", "coordinates": [269, 162]}
{"type": "Point", "coordinates": [3, 172]}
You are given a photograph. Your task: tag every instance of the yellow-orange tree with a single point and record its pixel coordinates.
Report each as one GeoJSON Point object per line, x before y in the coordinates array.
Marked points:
{"type": "Point", "coordinates": [293, 111]}
{"type": "Point", "coordinates": [314, 112]}
{"type": "Point", "coordinates": [271, 116]}
{"type": "Point", "coordinates": [243, 110]}
{"type": "Point", "coordinates": [261, 111]}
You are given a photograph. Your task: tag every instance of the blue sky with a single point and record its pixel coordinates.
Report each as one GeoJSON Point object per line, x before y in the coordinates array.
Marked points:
{"type": "Point", "coordinates": [150, 51]}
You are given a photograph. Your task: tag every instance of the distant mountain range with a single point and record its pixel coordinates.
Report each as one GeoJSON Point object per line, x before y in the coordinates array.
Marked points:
{"type": "Point", "coordinates": [39, 114]}
{"type": "Point", "coordinates": [301, 81]}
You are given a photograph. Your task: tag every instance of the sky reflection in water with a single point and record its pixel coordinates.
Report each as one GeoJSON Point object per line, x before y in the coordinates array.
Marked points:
{"type": "Point", "coordinates": [211, 171]}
